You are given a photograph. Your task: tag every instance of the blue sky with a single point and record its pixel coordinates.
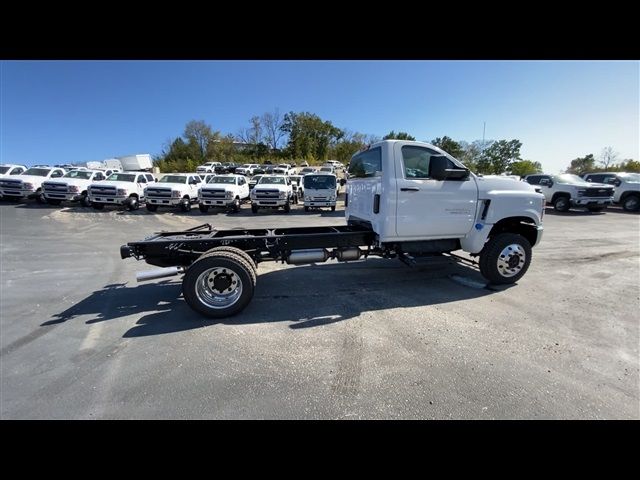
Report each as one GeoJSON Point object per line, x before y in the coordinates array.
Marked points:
{"type": "Point", "coordinates": [73, 111]}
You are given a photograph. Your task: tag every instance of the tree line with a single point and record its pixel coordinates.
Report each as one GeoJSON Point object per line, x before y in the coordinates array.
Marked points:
{"type": "Point", "coordinates": [304, 136]}
{"type": "Point", "coordinates": [608, 162]}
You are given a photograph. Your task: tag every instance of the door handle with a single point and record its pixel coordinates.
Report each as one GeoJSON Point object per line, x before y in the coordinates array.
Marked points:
{"type": "Point", "coordinates": [409, 189]}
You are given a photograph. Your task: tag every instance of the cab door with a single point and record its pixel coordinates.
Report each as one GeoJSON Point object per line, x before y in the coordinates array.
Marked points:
{"type": "Point", "coordinates": [427, 207]}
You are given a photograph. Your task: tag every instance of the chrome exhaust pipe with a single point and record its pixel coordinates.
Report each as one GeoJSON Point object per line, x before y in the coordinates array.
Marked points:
{"type": "Point", "coordinates": [159, 273]}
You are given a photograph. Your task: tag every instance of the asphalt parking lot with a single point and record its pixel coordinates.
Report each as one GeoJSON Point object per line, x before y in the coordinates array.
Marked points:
{"type": "Point", "coordinates": [376, 339]}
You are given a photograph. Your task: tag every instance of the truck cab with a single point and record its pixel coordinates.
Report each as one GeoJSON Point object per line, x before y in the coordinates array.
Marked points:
{"type": "Point", "coordinates": [419, 197]}
{"type": "Point", "coordinates": [320, 190]}
{"type": "Point", "coordinates": [121, 189]}
{"type": "Point", "coordinates": [173, 190]}
{"type": "Point", "coordinates": [626, 187]}
{"type": "Point", "coordinates": [8, 169]}
{"type": "Point", "coordinates": [29, 183]}
{"type": "Point", "coordinates": [223, 191]}
{"type": "Point", "coordinates": [209, 167]}
{"type": "Point", "coordinates": [72, 187]}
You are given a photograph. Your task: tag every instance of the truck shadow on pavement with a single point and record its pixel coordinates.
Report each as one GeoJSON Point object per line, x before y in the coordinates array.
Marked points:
{"type": "Point", "coordinates": [303, 297]}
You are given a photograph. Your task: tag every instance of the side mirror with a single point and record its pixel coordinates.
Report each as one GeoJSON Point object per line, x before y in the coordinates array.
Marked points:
{"type": "Point", "coordinates": [342, 182]}
{"type": "Point", "coordinates": [617, 182]}
{"type": "Point", "coordinates": [545, 182]}
{"type": "Point", "coordinates": [438, 169]}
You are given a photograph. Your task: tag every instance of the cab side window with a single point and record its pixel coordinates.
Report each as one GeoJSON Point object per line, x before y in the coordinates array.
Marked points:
{"type": "Point", "coordinates": [141, 179]}
{"type": "Point", "coordinates": [241, 181]}
{"type": "Point", "coordinates": [366, 164]}
{"type": "Point", "coordinates": [534, 179]}
{"type": "Point", "coordinates": [416, 161]}
{"type": "Point", "coordinates": [150, 177]}
{"type": "Point", "coordinates": [57, 173]}
{"type": "Point", "coordinates": [17, 171]}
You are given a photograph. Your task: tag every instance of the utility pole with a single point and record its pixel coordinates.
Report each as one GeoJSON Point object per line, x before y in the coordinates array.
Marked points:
{"type": "Point", "coordinates": [484, 126]}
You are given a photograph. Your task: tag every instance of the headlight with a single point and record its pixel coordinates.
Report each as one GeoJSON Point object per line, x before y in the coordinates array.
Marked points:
{"type": "Point", "coordinates": [176, 193]}
{"type": "Point", "coordinates": [332, 197]}
{"type": "Point", "coordinates": [27, 186]}
{"type": "Point", "coordinates": [74, 189]}
{"type": "Point", "coordinates": [229, 194]}
{"type": "Point", "coordinates": [122, 192]}
{"type": "Point", "coordinates": [307, 198]}
{"type": "Point", "coordinates": [283, 195]}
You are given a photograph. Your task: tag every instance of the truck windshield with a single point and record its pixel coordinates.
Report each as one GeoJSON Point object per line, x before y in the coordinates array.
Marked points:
{"type": "Point", "coordinates": [173, 179]}
{"type": "Point", "coordinates": [38, 172]}
{"type": "Point", "coordinates": [272, 181]}
{"type": "Point", "coordinates": [318, 182]}
{"type": "Point", "coordinates": [568, 178]}
{"type": "Point", "coordinates": [82, 174]}
{"type": "Point", "coordinates": [229, 180]}
{"type": "Point", "coordinates": [256, 178]}
{"type": "Point", "coordinates": [121, 177]}
{"type": "Point", "coordinates": [4, 169]}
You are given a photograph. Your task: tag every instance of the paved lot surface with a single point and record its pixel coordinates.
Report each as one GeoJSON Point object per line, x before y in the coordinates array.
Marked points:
{"type": "Point", "coordinates": [80, 339]}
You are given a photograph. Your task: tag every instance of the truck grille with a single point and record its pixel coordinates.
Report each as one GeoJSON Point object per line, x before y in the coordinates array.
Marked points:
{"type": "Point", "coordinates": [213, 193]}
{"type": "Point", "coordinates": [158, 192]}
{"type": "Point", "coordinates": [103, 191]}
{"type": "Point", "coordinates": [320, 199]}
{"type": "Point", "coordinates": [598, 192]}
{"type": "Point", "coordinates": [53, 187]}
{"type": "Point", "coordinates": [267, 194]}
{"type": "Point", "coordinates": [17, 184]}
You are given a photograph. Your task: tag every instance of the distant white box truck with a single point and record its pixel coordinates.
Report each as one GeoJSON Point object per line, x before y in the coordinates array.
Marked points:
{"type": "Point", "coordinates": [140, 162]}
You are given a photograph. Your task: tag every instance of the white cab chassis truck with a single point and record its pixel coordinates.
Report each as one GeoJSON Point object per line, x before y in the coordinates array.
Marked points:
{"type": "Point", "coordinates": [404, 200]}
{"type": "Point", "coordinates": [121, 189]}
{"type": "Point", "coordinates": [72, 187]}
{"type": "Point", "coordinates": [173, 190]}
{"type": "Point", "coordinates": [223, 191]}
{"type": "Point", "coordinates": [28, 184]}
{"type": "Point", "coordinates": [320, 190]}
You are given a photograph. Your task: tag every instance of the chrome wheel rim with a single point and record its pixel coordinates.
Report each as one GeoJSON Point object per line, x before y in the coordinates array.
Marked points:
{"type": "Point", "coordinates": [561, 203]}
{"type": "Point", "coordinates": [511, 260]}
{"type": "Point", "coordinates": [218, 287]}
{"type": "Point", "coordinates": [631, 203]}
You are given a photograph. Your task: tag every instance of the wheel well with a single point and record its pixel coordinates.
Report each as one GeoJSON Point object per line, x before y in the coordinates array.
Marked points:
{"type": "Point", "coordinates": [84, 193]}
{"type": "Point", "coordinates": [559, 194]}
{"type": "Point", "coordinates": [524, 226]}
{"type": "Point", "coordinates": [625, 195]}
{"type": "Point", "coordinates": [134, 195]}
{"type": "Point", "coordinates": [186, 197]}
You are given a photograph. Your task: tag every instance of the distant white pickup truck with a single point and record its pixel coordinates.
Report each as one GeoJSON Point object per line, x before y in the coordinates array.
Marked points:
{"type": "Point", "coordinates": [208, 167]}
{"type": "Point", "coordinates": [223, 191]}
{"type": "Point", "coordinates": [566, 190]}
{"type": "Point", "coordinates": [72, 187]}
{"type": "Point", "coordinates": [121, 189]}
{"type": "Point", "coordinates": [173, 190]}
{"type": "Point", "coordinates": [8, 169]}
{"type": "Point", "coordinates": [626, 187]}
{"type": "Point", "coordinates": [272, 191]}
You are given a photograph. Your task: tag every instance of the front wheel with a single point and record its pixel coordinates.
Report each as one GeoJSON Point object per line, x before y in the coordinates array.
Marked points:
{"type": "Point", "coordinates": [505, 258]}
{"type": "Point", "coordinates": [151, 207]}
{"type": "Point", "coordinates": [287, 207]}
{"type": "Point", "coordinates": [631, 203]}
{"type": "Point", "coordinates": [132, 204]}
{"type": "Point", "coordinates": [185, 206]}
{"type": "Point", "coordinates": [40, 198]}
{"type": "Point", "coordinates": [333, 209]}
{"type": "Point", "coordinates": [235, 208]}
{"type": "Point", "coordinates": [306, 209]}
{"type": "Point", "coordinates": [562, 204]}
{"type": "Point", "coordinates": [84, 201]}
{"type": "Point", "coordinates": [254, 209]}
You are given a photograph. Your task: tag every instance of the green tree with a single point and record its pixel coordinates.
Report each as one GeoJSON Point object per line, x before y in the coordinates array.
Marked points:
{"type": "Point", "coordinates": [582, 165]}
{"type": "Point", "coordinates": [525, 167]}
{"type": "Point", "coordinates": [449, 145]}
{"type": "Point", "coordinates": [629, 165]}
{"type": "Point", "coordinates": [470, 154]}
{"type": "Point", "coordinates": [309, 135]}
{"type": "Point", "coordinates": [200, 138]}
{"type": "Point", "coordinates": [498, 157]}
{"type": "Point", "coordinates": [398, 136]}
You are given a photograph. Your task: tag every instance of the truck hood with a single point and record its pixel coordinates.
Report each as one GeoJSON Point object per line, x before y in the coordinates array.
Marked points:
{"type": "Point", "coordinates": [28, 178]}
{"type": "Point", "coordinates": [167, 185]}
{"type": "Point", "coordinates": [218, 186]}
{"type": "Point", "coordinates": [129, 185]}
{"type": "Point", "coordinates": [78, 182]}
{"type": "Point", "coordinates": [487, 185]}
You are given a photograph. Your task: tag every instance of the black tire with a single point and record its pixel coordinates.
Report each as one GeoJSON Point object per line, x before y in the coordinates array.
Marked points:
{"type": "Point", "coordinates": [596, 209]}
{"type": "Point", "coordinates": [132, 204]}
{"type": "Point", "coordinates": [225, 260]}
{"type": "Point", "coordinates": [306, 209]}
{"type": "Point", "coordinates": [151, 207]}
{"type": "Point", "coordinates": [562, 204]}
{"type": "Point", "coordinates": [631, 203]}
{"type": "Point", "coordinates": [254, 208]}
{"type": "Point", "coordinates": [287, 207]}
{"type": "Point", "coordinates": [97, 206]}
{"type": "Point", "coordinates": [493, 253]}
{"type": "Point", "coordinates": [54, 202]}
{"type": "Point", "coordinates": [235, 251]}
{"type": "Point", "coordinates": [40, 198]}
{"type": "Point", "coordinates": [185, 205]}
{"type": "Point", "coordinates": [333, 209]}
{"type": "Point", "coordinates": [203, 208]}
{"type": "Point", "coordinates": [84, 201]}
{"type": "Point", "coordinates": [236, 206]}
